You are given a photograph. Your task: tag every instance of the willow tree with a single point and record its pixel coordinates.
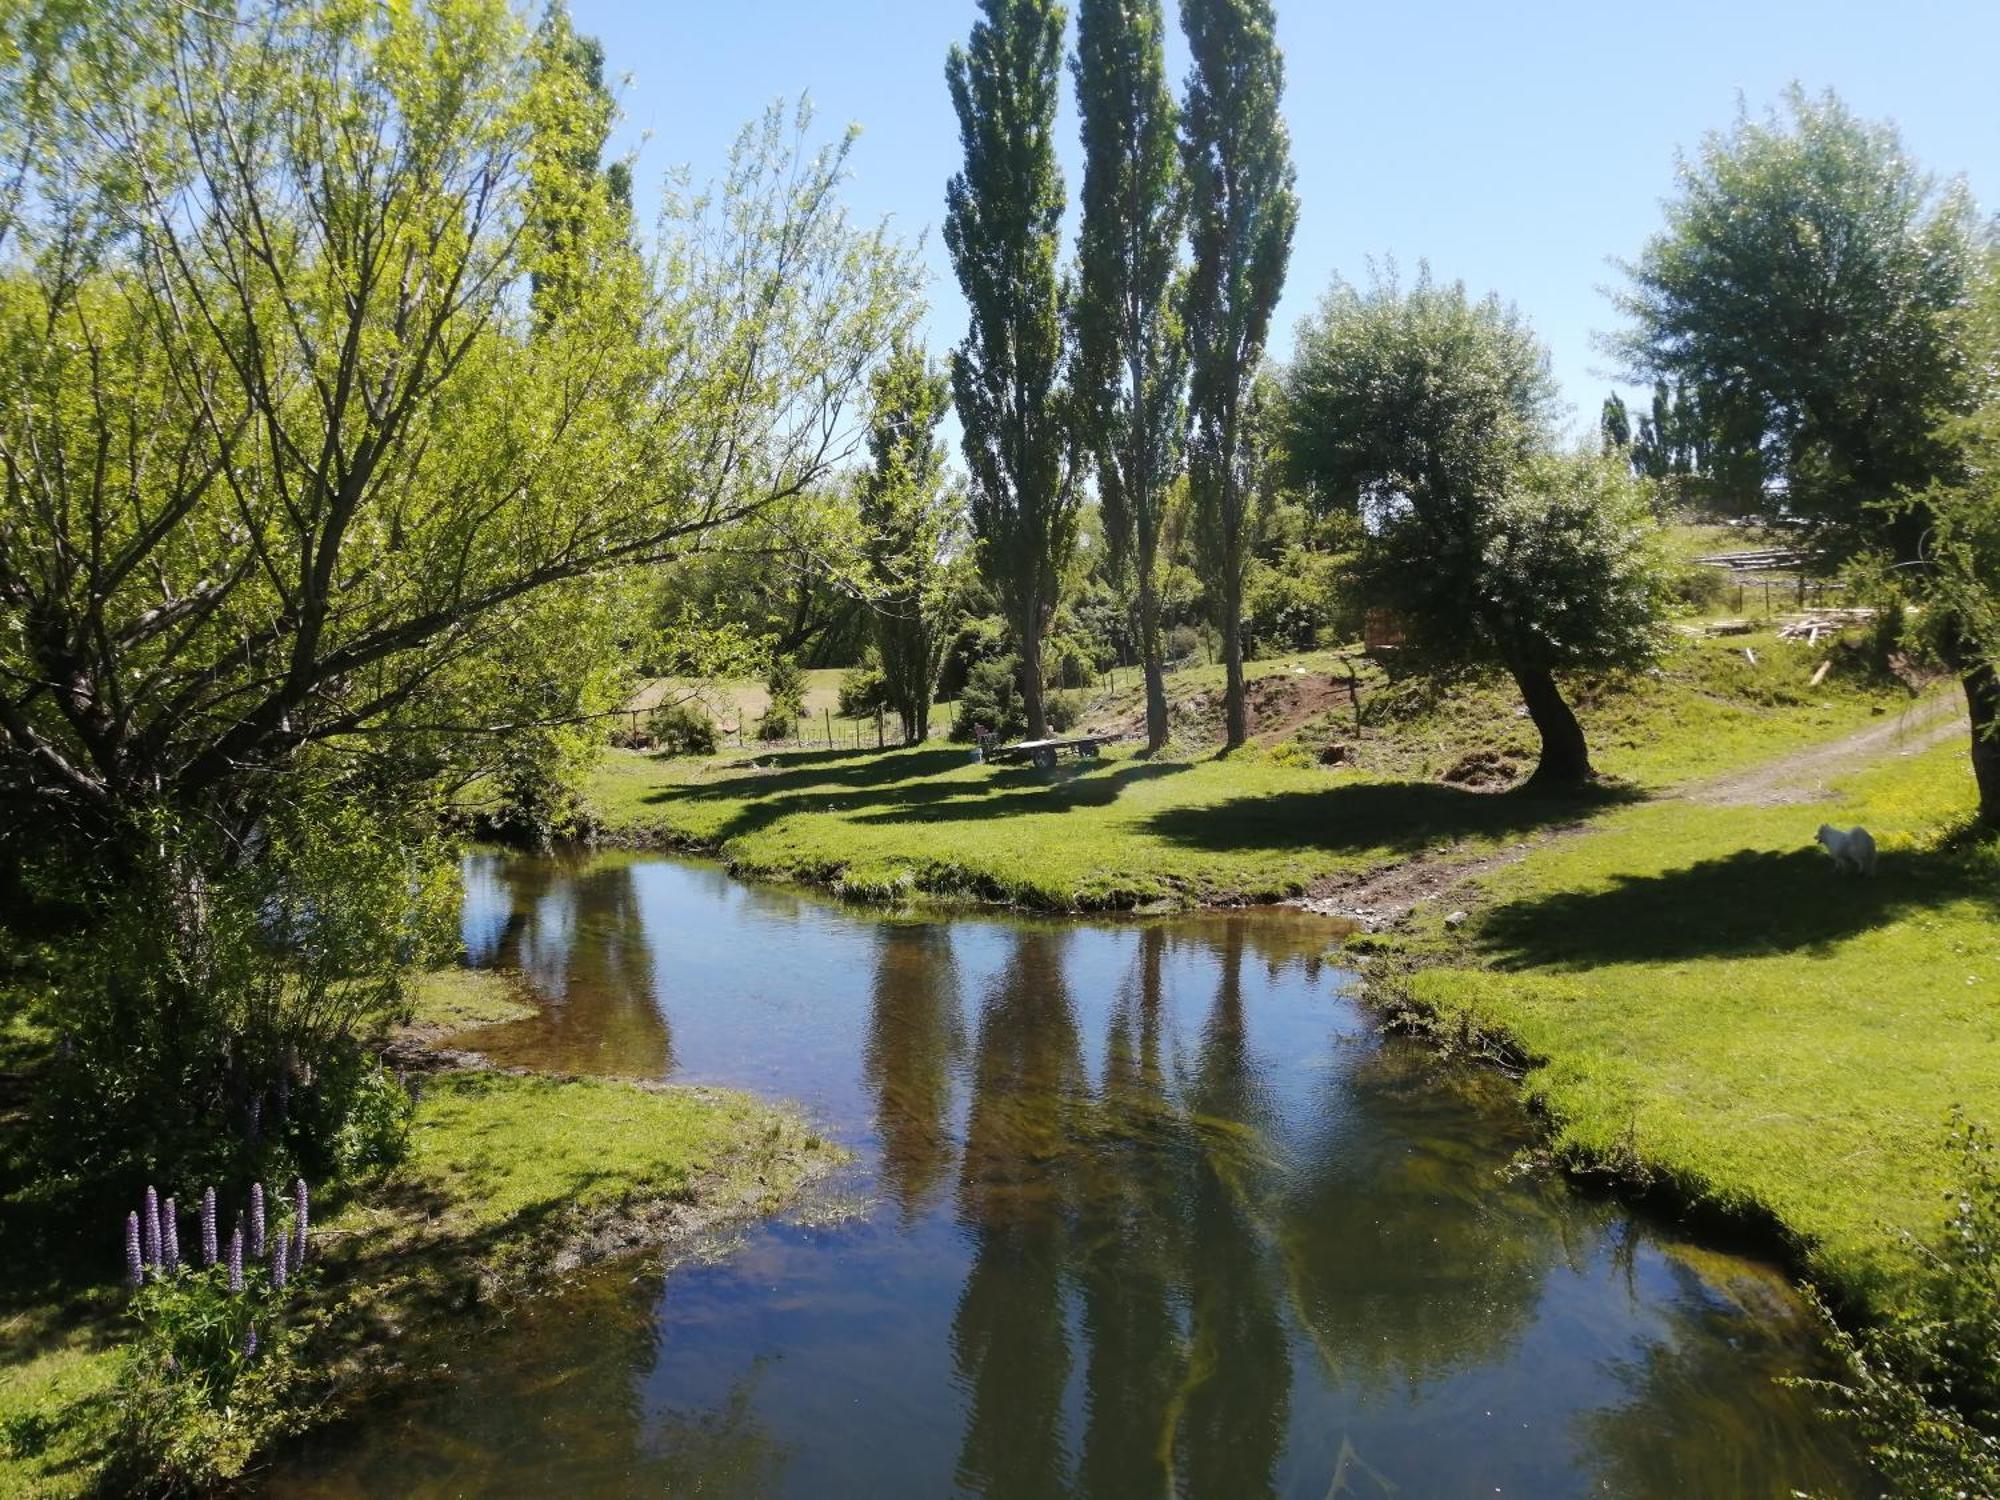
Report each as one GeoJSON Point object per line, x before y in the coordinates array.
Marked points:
{"type": "Point", "coordinates": [1132, 366]}
{"type": "Point", "coordinates": [309, 513]}
{"type": "Point", "coordinates": [1241, 213]}
{"type": "Point", "coordinates": [1003, 216]}
{"type": "Point", "coordinates": [911, 532]}
{"type": "Point", "coordinates": [1433, 416]}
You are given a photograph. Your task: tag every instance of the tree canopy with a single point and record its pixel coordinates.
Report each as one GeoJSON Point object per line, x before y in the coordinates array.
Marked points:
{"type": "Point", "coordinates": [309, 494]}
{"type": "Point", "coordinates": [1432, 415]}
{"type": "Point", "coordinates": [1805, 296]}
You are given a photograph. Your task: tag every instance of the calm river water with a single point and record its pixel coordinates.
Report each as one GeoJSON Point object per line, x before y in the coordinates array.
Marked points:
{"type": "Point", "coordinates": [1150, 1209]}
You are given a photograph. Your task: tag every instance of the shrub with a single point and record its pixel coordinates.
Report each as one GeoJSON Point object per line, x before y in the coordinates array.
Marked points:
{"type": "Point", "coordinates": [683, 728]}
{"type": "Point", "coordinates": [1063, 710]}
{"type": "Point", "coordinates": [978, 640]}
{"type": "Point", "coordinates": [1697, 589]}
{"type": "Point", "coordinates": [786, 685]}
{"type": "Point", "coordinates": [1923, 1389]}
{"type": "Point", "coordinates": [863, 688]}
{"type": "Point", "coordinates": [992, 701]}
{"type": "Point", "coordinates": [1183, 644]}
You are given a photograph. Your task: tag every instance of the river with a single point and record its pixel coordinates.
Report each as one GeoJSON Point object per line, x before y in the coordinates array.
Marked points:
{"type": "Point", "coordinates": [1138, 1208]}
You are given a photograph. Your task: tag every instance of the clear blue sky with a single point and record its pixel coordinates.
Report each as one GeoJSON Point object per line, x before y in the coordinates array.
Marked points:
{"type": "Point", "coordinates": [1516, 146]}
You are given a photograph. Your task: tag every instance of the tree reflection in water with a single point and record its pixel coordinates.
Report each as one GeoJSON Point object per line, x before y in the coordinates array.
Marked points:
{"type": "Point", "coordinates": [1162, 1216]}
{"type": "Point", "coordinates": [916, 1039]}
{"type": "Point", "coordinates": [578, 931]}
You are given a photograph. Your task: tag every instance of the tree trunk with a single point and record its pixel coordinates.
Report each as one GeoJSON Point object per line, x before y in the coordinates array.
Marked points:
{"type": "Point", "coordinates": [1982, 701]}
{"type": "Point", "coordinates": [1235, 708]}
{"type": "Point", "coordinates": [1031, 673]}
{"type": "Point", "coordinates": [1151, 658]}
{"type": "Point", "coordinates": [1565, 757]}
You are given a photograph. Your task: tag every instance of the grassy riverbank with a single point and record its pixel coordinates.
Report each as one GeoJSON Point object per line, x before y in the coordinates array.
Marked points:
{"type": "Point", "coordinates": [1269, 822]}
{"type": "Point", "coordinates": [1704, 1003]}
{"type": "Point", "coordinates": [509, 1179]}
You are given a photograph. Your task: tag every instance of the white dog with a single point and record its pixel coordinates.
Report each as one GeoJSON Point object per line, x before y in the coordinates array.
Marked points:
{"type": "Point", "coordinates": [1851, 848]}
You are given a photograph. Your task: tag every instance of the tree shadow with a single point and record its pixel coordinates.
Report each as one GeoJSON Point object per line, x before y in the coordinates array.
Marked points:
{"type": "Point", "coordinates": [1752, 902]}
{"type": "Point", "coordinates": [1400, 817]}
{"type": "Point", "coordinates": [893, 789]}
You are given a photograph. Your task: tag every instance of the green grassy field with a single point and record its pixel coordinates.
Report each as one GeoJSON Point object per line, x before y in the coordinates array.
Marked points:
{"type": "Point", "coordinates": [1705, 1002]}
{"type": "Point", "coordinates": [1189, 828]}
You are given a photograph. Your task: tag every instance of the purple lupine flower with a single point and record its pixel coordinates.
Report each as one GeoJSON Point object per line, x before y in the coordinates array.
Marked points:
{"type": "Point", "coordinates": [277, 1265]}
{"type": "Point", "coordinates": [256, 1117]}
{"type": "Point", "coordinates": [284, 1094]}
{"type": "Point", "coordinates": [250, 1342]}
{"type": "Point", "coordinates": [170, 1237]}
{"type": "Point", "coordinates": [256, 1221]}
{"type": "Point", "coordinates": [149, 1225]}
{"type": "Point", "coordinates": [135, 1263]}
{"type": "Point", "coordinates": [236, 1259]}
{"type": "Point", "coordinates": [300, 1223]}
{"type": "Point", "coordinates": [416, 1090]}
{"type": "Point", "coordinates": [207, 1227]}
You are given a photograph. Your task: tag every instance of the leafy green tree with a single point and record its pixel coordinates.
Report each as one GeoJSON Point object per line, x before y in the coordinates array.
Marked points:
{"type": "Point", "coordinates": [912, 525]}
{"type": "Point", "coordinates": [1614, 425]}
{"type": "Point", "coordinates": [1003, 216]}
{"type": "Point", "coordinates": [1433, 415]}
{"type": "Point", "coordinates": [306, 507]}
{"type": "Point", "coordinates": [1814, 283]}
{"type": "Point", "coordinates": [1241, 214]}
{"type": "Point", "coordinates": [1132, 367]}
{"type": "Point", "coordinates": [579, 210]}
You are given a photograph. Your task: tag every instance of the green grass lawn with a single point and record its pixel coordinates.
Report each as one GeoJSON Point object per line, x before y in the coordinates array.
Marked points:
{"type": "Point", "coordinates": [1705, 1000]}
{"type": "Point", "coordinates": [1193, 828]}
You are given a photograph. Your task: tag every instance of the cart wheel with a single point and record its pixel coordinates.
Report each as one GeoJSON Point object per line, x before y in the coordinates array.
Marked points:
{"type": "Point", "coordinates": [1087, 750]}
{"type": "Point", "coordinates": [1046, 759]}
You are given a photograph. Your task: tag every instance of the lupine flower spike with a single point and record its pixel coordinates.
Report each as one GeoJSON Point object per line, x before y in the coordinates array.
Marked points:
{"type": "Point", "coordinates": [135, 1264]}
{"type": "Point", "coordinates": [277, 1265]}
{"type": "Point", "coordinates": [236, 1260]}
{"type": "Point", "coordinates": [300, 1221]}
{"type": "Point", "coordinates": [250, 1342]}
{"type": "Point", "coordinates": [208, 1226]}
{"type": "Point", "coordinates": [149, 1226]}
{"type": "Point", "coordinates": [170, 1237]}
{"type": "Point", "coordinates": [256, 1221]}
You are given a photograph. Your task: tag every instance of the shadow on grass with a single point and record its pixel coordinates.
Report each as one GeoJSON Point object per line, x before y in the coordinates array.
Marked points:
{"type": "Point", "coordinates": [1742, 905]}
{"type": "Point", "coordinates": [1400, 817]}
{"type": "Point", "coordinates": [894, 788]}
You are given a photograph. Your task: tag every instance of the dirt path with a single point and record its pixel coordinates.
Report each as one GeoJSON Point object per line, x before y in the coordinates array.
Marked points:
{"type": "Point", "coordinates": [1806, 775]}
{"type": "Point", "coordinates": [1383, 897]}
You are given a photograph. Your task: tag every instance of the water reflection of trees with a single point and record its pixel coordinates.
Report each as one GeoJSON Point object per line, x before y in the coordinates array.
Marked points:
{"type": "Point", "coordinates": [1148, 1245]}
{"type": "Point", "coordinates": [577, 930]}
{"type": "Point", "coordinates": [916, 1037]}
{"type": "Point", "coordinates": [1136, 1210]}
{"type": "Point", "coordinates": [1015, 1194]}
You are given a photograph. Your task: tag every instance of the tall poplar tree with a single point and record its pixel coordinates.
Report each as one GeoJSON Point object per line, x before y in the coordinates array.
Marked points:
{"type": "Point", "coordinates": [1003, 215]}
{"type": "Point", "coordinates": [1132, 366]}
{"type": "Point", "coordinates": [1241, 213]}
